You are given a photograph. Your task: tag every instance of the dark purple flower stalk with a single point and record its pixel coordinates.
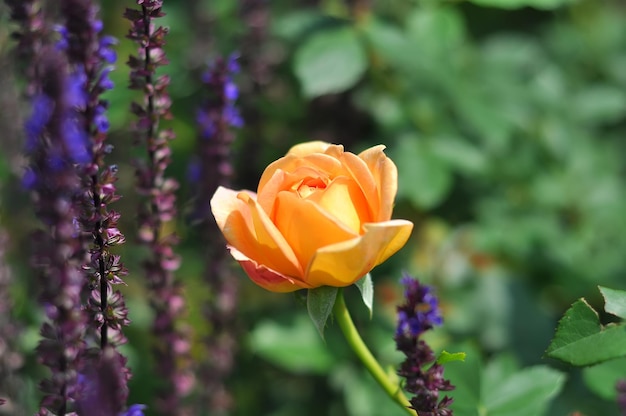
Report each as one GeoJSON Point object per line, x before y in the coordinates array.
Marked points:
{"type": "Point", "coordinates": [159, 206]}
{"type": "Point", "coordinates": [30, 35]}
{"type": "Point", "coordinates": [90, 56]}
{"type": "Point", "coordinates": [424, 377]}
{"type": "Point", "coordinates": [621, 395]}
{"type": "Point", "coordinates": [58, 253]}
{"type": "Point", "coordinates": [10, 358]}
{"type": "Point", "coordinates": [216, 119]}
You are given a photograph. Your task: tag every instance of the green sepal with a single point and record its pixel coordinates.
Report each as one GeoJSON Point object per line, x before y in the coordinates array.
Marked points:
{"type": "Point", "coordinates": [366, 287]}
{"type": "Point", "coordinates": [319, 303]}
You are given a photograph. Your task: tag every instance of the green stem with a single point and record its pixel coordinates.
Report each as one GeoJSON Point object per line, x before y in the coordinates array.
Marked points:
{"type": "Point", "coordinates": [342, 315]}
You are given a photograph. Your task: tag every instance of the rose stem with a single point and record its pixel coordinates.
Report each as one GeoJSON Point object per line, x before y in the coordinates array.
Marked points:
{"type": "Point", "coordinates": [342, 315]}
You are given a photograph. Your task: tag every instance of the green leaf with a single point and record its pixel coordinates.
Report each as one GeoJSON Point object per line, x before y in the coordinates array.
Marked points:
{"type": "Point", "coordinates": [581, 340]}
{"type": "Point", "coordinates": [601, 378]}
{"type": "Point", "coordinates": [517, 4]}
{"type": "Point", "coordinates": [295, 347]}
{"type": "Point", "coordinates": [330, 61]}
{"type": "Point", "coordinates": [614, 301]}
{"type": "Point", "coordinates": [319, 303]}
{"type": "Point", "coordinates": [446, 357]}
{"type": "Point", "coordinates": [366, 287]}
{"type": "Point", "coordinates": [527, 392]}
{"type": "Point", "coordinates": [423, 177]}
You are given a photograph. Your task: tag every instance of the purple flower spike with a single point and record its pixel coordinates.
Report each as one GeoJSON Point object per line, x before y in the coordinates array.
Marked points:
{"type": "Point", "coordinates": [159, 205]}
{"type": "Point", "coordinates": [57, 253]}
{"type": "Point", "coordinates": [419, 313]}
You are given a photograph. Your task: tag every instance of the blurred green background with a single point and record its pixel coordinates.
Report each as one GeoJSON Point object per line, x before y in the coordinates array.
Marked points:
{"type": "Point", "coordinates": [506, 119]}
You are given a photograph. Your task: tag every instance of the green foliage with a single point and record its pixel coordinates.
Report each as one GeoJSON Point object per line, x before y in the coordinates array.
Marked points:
{"type": "Point", "coordinates": [513, 4]}
{"type": "Point", "coordinates": [447, 357]}
{"type": "Point", "coordinates": [500, 387]}
{"type": "Point", "coordinates": [330, 61]}
{"type": "Point", "coordinates": [295, 347]}
{"type": "Point", "coordinates": [602, 378]}
{"type": "Point", "coordinates": [581, 340]}
{"type": "Point", "coordinates": [614, 301]}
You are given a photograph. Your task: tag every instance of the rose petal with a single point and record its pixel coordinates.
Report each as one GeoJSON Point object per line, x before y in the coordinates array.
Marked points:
{"type": "Point", "coordinates": [360, 172]}
{"type": "Point", "coordinates": [344, 263]}
{"type": "Point", "coordinates": [344, 200]}
{"type": "Point", "coordinates": [385, 176]}
{"type": "Point", "coordinates": [304, 149]}
{"type": "Point", "coordinates": [267, 278]}
{"type": "Point", "coordinates": [273, 247]}
{"type": "Point", "coordinates": [306, 226]}
{"type": "Point", "coordinates": [325, 165]}
{"type": "Point", "coordinates": [247, 228]}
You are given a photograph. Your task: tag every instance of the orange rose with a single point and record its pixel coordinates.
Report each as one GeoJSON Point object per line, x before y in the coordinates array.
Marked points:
{"type": "Point", "coordinates": [321, 217]}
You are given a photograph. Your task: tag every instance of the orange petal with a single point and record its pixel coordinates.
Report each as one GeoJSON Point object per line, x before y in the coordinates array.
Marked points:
{"type": "Point", "coordinates": [307, 148]}
{"type": "Point", "coordinates": [266, 278]}
{"type": "Point", "coordinates": [360, 172]}
{"type": "Point", "coordinates": [251, 232]}
{"type": "Point", "coordinates": [344, 200]}
{"type": "Point", "coordinates": [275, 252]}
{"type": "Point", "coordinates": [385, 176]}
{"type": "Point", "coordinates": [344, 263]}
{"type": "Point", "coordinates": [306, 226]}
{"type": "Point", "coordinates": [325, 165]}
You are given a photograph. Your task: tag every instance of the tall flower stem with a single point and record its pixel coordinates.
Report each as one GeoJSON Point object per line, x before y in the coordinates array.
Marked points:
{"type": "Point", "coordinates": [393, 390]}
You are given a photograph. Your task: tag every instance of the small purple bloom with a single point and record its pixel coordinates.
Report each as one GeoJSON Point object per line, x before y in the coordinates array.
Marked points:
{"type": "Point", "coordinates": [97, 26]}
{"type": "Point", "coordinates": [76, 95]}
{"type": "Point", "coordinates": [231, 92]}
{"type": "Point", "coordinates": [40, 116]}
{"type": "Point", "coordinates": [134, 410]}
{"type": "Point", "coordinates": [76, 140]}
{"type": "Point", "coordinates": [421, 311]}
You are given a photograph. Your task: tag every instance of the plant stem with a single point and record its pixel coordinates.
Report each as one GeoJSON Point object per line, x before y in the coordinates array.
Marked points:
{"type": "Point", "coordinates": [342, 315]}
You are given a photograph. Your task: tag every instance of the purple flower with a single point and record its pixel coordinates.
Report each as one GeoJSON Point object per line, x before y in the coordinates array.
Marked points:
{"type": "Point", "coordinates": [424, 378]}
{"type": "Point", "coordinates": [40, 116]}
{"type": "Point", "coordinates": [421, 310]}
{"type": "Point", "coordinates": [134, 410]}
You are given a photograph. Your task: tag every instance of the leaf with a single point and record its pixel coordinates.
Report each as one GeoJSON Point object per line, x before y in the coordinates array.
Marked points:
{"type": "Point", "coordinates": [601, 378]}
{"type": "Point", "coordinates": [500, 388]}
{"type": "Point", "coordinates": [319, 303]}
{"type": "Point", "coordinates": [423, 177]}
{"type": "Point", "coordinates": [581, 340]}
{"type": "Point", "coordinates": [447, 357]}
{"type": "Point", "coordinates": [614, 301]}
{"type": "Point", "coordinates": [517, 4]}
{"type": "Point", "coordinates": [330, 61]}
{"type": "Point", "coordinates": [527, 392]}
{"type": "Point", "coordinates": [295, 347]}
{"type": "Point", "coordinates": [366, 287]}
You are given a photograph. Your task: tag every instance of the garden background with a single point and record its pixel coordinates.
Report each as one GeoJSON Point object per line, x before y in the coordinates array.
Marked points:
{"type": "Point", "coordinates": [506, 119]}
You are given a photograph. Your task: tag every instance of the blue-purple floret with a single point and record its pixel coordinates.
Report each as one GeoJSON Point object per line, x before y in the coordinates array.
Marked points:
{"type": "Point", "coordinates": [220, 111]}
{"type": "Point", "coordinates": [421, 310]}
{"type": "Point", "coordinates": [134, 410]}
